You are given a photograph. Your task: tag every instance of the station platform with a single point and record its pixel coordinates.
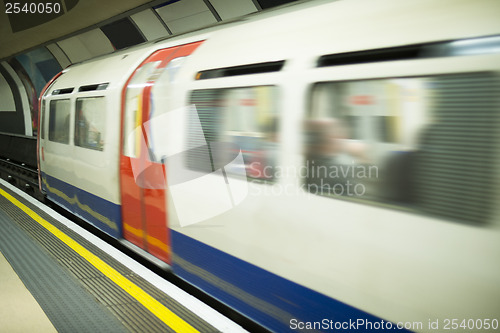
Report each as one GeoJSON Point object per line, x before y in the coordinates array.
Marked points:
{"type": "Point", "coordinates": [57, 277]}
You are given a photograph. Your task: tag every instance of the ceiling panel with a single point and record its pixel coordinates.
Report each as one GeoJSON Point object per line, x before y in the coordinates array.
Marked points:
{"type": "Point", "coordinates": [149, 24]}
{"type": "Point", "coordinates": [61, 58]}
{"type": "Point", "coordinates": [228, 9]}
{"type": "Point", "coordinates": [186, 15]}
{"type": "Point", "coordinates": [192, 22]}
{"type": "Point", "coordinates": [85, 46]}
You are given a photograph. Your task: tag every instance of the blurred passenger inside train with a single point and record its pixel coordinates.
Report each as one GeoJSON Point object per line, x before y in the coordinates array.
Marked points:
{"type": "Point", "coordinates": [89, 123]}
{"type": "Point", "coordinates": [331, 155]}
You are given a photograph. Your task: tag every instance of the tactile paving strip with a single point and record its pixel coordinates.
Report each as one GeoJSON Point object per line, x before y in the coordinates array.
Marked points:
{"type": "Point", "coordinates": [68, 306]}
{"type": "Point", "coordinates": [131, 313]}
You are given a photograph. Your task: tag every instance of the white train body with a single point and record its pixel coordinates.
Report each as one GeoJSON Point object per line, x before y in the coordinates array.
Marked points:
{"type": "Point", "coordinates": [266, 246]}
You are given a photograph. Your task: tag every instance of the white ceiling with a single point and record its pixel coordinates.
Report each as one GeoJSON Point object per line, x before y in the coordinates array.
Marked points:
{"type": "Point", "coordinates": [76, 35]}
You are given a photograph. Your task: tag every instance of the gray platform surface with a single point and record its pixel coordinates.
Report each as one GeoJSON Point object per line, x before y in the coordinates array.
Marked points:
{"type": "Point", "coordinates": [74, 294]}
{"type": "Point", "coordinates": [68, 306]}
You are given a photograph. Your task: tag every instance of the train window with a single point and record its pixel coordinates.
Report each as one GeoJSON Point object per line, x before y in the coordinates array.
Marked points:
{"type": "Point", "coordinates": [426, 143]}
{"type": "Point", "coordinates": [90, 122]}
{"type": "Point", "coordinates": [92, 87]}
{"type": "Point", "coordinates": [63, 91]}
{"type": "Point", "coordinates": [42, 120]}
{"type": "Point", "coordinates": [133, 108]}
{"type": "Point", "coordinates": [265, 67]}
{"type": "Point", "coordinates": [481, 45]}
{"type": "Point", "coordinates": [234, 121]}
{"type": "Point", "coordinates": [59, 120]}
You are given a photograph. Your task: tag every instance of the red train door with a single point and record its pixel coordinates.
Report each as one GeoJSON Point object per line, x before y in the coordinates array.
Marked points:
{"type": "Point", "coordinates": [142, 178]}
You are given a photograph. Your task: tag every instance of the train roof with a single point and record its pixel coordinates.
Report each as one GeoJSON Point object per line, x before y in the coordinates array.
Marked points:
{"type": "Point", "coordinates": [307, 30]}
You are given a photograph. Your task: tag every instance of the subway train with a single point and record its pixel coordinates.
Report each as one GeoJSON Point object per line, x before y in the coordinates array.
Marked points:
{"type": "Point", "coordinates": [326, 165]}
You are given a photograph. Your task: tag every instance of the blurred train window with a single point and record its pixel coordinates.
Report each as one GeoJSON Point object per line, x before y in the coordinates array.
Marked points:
{"type": "Point", "coordinates": [59, 120]}
{"type": "Point", "coordinates": [90, 122]}
{"type": "Point", "coordinates": [42, 121]}
{"type": "Point", "coordinates": [133, 109]}
{"type": "Point", "coordinates": [428, 144]}
{"type": "Point", "coordinates": [233, 121]}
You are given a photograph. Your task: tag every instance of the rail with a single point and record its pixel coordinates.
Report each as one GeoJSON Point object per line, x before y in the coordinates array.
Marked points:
{"type": "Point", "coordinates": [18, 164]}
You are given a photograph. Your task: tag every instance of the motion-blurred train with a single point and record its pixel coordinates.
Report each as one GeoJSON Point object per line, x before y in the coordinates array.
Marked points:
{"type": "Point", "coordinates": [327, 165]}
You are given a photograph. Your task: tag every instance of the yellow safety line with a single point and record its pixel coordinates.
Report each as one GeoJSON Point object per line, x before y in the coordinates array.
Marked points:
{"type": "Point", "coordinates": [158, 309]}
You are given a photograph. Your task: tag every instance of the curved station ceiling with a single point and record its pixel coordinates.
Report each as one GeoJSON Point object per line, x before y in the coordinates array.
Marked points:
{"type": "Point", "coordinates": [39, 38]}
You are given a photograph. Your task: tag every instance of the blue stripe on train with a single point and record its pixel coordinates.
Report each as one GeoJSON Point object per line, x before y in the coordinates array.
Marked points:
{"type": "Point", "coordinates": [274, 302]}
{"type": "Point", "coordinates": [101, 213]}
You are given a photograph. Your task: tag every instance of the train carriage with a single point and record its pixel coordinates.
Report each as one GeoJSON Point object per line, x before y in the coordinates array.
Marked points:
{"type": "Point", "coordinates": [332, 160]}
